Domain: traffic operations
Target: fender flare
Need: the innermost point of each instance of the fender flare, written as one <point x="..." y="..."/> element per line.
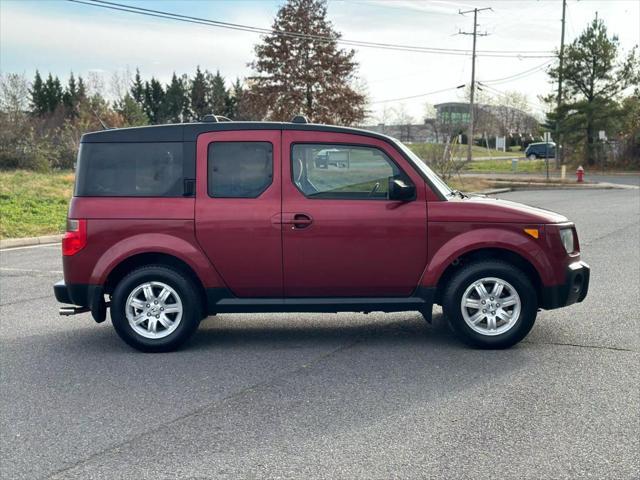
<point x="488" y="238"/>
<point x="187" y="251"/>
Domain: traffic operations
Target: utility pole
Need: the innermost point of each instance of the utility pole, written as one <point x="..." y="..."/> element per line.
<point x="473" y="73"/>
<point x="558" y="150"/>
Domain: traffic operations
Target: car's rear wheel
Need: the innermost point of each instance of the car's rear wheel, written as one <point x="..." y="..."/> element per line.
<point x="490" y="304"/>
<point x="532" y="156"/>
<point x="155" y="309"/>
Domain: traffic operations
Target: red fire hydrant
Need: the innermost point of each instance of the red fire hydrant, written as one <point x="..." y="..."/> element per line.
<point x="580" y="174"/>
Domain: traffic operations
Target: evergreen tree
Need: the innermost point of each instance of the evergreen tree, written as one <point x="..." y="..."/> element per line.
<point x="186" y="105"/>
<point x="594" y="78"/>
<point x="137" y="89"/>
<point x="70" y="97"/>
<point x="38" y="98"/>
<point x="153" y="104"/>
<point x="235" y="107"/>
<point x="175" y="100"/>
<point x="218" y="95"/>
<point x="82" y="90"/>
<point x="304" y="74"/>
<point x="52" y="93"/>
<point x="131" y="111"/>
<point x="198" y="96"/>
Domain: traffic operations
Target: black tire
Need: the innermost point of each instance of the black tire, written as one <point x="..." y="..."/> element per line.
<point x="465" y="278"/>
<point x="532" y="156"/>
<point x="184" y="288"/>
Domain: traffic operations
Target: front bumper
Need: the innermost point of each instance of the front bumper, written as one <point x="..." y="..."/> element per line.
<point x="90" y="296"/>
<point x="573" y="290"/>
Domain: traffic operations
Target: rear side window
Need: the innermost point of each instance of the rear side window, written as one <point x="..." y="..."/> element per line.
<point x="130" y="170"/>
<point x="239" y="169"/>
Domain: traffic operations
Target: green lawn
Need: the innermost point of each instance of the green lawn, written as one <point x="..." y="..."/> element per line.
<point x="504" y="166"/>
<point x="426" y="150"/>
<point x="33" y="204"/>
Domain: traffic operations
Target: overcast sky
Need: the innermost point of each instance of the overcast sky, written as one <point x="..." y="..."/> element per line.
<point x="58" y="36"/>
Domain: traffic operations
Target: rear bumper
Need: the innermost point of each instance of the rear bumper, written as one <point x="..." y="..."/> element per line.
<point x="573" y="290"/>
<point x="74" y="294"/>
<point x="61" y="292"/>
<point x="83" y="295"/>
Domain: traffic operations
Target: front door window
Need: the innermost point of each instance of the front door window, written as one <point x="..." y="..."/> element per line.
<point x="346" y="172"/>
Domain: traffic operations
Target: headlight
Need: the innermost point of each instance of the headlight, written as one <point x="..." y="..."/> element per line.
<point x="566" y="235"/>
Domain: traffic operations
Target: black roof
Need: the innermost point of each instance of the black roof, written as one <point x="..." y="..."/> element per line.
<point x="188" y="132"/>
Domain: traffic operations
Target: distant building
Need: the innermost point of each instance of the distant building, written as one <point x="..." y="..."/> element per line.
<point x="453" y="113"/>
<point x="453" y="118"/>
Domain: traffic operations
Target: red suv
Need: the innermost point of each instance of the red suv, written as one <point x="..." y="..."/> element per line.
<point x="169" y="224"/>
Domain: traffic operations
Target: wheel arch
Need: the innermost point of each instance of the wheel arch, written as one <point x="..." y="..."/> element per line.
<point x="503" y="254"/>
<point x="127" y="265"/>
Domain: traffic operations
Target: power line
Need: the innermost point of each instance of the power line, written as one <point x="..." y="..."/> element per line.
<point x="416" y="96"/>
<point x="517" y="76"/>
<point x="495" y="91"/>
<point x="266" y="31"/>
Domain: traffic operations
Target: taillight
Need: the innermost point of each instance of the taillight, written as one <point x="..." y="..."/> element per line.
<point x="76" y="237"/>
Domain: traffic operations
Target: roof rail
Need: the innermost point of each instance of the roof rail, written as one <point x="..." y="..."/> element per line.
<point x="299" y="119"/>
<point x="211" y="118"/>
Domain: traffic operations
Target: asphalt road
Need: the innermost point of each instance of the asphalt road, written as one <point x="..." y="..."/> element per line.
<point x="331" y="396"/>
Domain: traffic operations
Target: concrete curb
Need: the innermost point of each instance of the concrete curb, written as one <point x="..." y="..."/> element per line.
<point x="515" y="185"/>
<point x="29" y="241"/>
<point x="492" y="191"/>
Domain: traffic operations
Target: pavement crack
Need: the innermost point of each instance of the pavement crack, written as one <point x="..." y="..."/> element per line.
<point x="579" y="345"/>
<point x="613" y="232"/>
<point x="195" y="413"/>
<point x="25" y="300"/>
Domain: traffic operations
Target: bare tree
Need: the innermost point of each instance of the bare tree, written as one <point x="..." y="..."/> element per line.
<point x="120" y="84"/>
<point x="403" y="120"/>
<point x="14" y="95"/>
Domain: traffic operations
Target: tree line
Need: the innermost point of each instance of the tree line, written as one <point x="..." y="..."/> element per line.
<point x="41" y="121"/>
<point x="183" y="99"/>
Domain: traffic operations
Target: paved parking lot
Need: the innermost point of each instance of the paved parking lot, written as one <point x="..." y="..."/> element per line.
<point x="331" y="396"/>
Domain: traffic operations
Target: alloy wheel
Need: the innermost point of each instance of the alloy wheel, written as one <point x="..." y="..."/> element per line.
<point x="491" y="306"/>
<point x="154" y="310"/>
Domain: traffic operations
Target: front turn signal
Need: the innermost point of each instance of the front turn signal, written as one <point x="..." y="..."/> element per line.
<point x="533" y="232"/>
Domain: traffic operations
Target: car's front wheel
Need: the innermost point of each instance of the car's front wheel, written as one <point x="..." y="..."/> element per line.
<point x="155" y="309"/>
<point x="490" y="304"/>
<point x="532" y="156"/>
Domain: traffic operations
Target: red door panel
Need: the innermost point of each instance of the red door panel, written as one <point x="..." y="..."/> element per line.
<point x="345" y="247"/>
<point x="242" y="237"/>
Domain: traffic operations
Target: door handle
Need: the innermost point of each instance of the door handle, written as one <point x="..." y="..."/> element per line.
<point x="298" y="221"/>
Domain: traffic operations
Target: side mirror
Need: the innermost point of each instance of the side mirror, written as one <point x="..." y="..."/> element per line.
<point x="401" y="190"/>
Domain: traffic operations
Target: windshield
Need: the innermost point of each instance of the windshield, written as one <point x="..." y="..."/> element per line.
<point x="436" y="181"/>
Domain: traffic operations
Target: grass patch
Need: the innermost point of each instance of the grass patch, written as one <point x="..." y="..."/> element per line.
<point x="504" y="166"/>
<point x="33" y="204"/>
<point x="426" y="151"/>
